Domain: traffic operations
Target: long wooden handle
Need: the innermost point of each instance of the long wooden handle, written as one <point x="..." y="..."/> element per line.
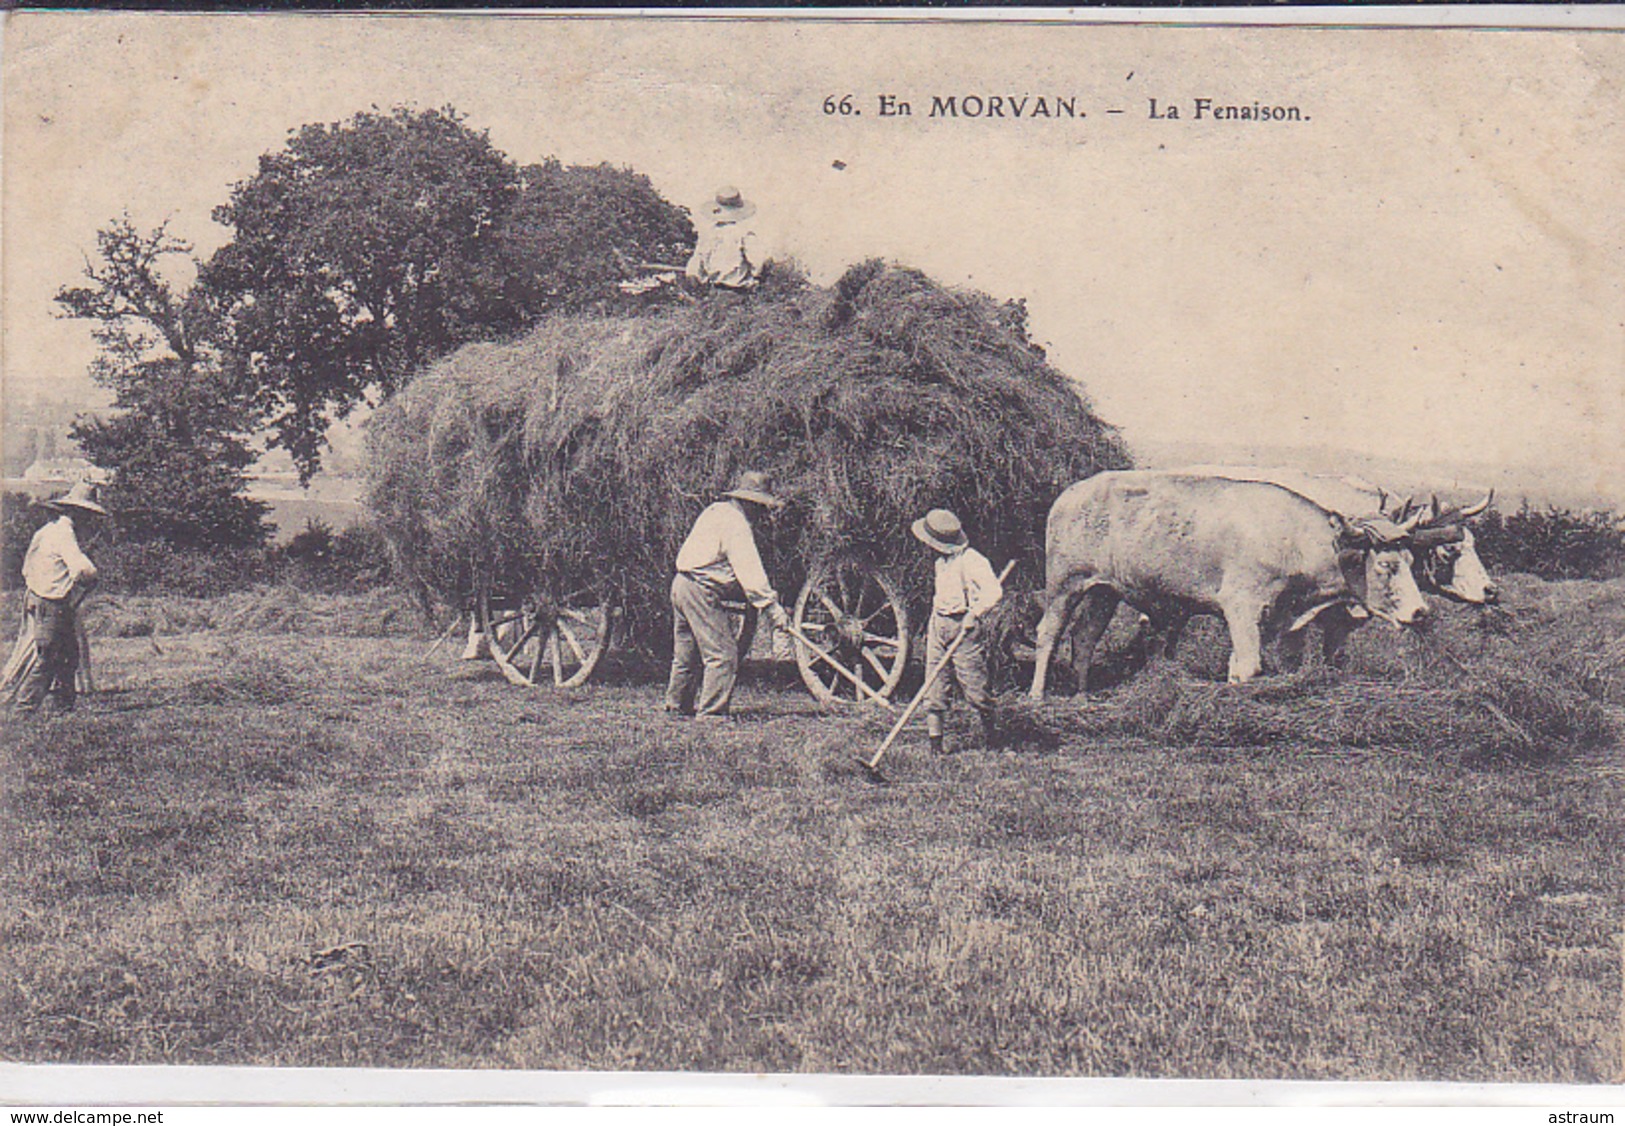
<point x="840" y="668"/>
<point x="930" y="679"/>
<point x="84" y="675"/>
<point x="914" y="704"/>
<point x="444" y="637"/>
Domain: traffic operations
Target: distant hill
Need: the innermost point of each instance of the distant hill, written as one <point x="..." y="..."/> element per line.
<point x="34" y="423"/>
<point x="1419" y="477"/>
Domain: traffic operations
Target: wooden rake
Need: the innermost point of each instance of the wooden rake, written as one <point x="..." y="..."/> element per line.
<point x="825" y="656"/>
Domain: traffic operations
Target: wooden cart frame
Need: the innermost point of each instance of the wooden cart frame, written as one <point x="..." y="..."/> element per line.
<point x="852" y="609"/>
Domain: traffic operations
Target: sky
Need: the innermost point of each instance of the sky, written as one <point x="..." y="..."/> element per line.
<point x="1429" y="262"/>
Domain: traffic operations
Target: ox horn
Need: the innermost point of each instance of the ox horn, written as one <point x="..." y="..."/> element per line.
<point x="1403" y="511"/>
<point x="1474" y="509"/>
<point x="1433" y="508"/>
<point x="1406" y="527"/>
<point x="1382" y="501"/>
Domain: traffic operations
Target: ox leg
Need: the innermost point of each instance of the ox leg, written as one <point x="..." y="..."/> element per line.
<point x="1099" y="605"/>
<point x="1050" y="628"/>
<point x="1060" y="602"/>
<point x="1336" y="625"/>
<point x="1291" y="649"/>
<point x="1145" y="631"/>
<point x="1279" y="649"/>
<point x="1246" y="640"/>
<point x="1175" y="631"/>
<point x="1147" y="642"/>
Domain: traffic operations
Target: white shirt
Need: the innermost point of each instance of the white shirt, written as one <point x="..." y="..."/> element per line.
<point x="54" y="564"/>
<point x="725" y="255"/>
<point x="722" y="552"/>
<point x="965" y="581"/>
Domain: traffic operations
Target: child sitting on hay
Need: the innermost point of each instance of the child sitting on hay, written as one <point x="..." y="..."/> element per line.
<point x="726" y="254"/>
<point x="966" y="589"/>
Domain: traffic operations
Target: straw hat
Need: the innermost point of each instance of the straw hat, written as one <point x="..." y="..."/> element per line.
<point x="730" y="207"/>
<point x="755" y="487"/>
<point x="82" y="497"/>
<point x="942" y="530"/>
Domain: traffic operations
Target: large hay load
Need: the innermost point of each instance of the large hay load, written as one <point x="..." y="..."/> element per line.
<point x="575" y="459"/>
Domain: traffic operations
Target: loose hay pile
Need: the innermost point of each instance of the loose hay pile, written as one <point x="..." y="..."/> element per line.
<point x="1532" y="680"/>
<point x="581" y="453"/>
<point x="260" y="610"/>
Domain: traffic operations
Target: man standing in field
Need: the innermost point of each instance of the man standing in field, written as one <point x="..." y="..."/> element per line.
<point x="718" y="560"/>
<point x="726" y="254"/>
<point x="966" y="589"/>
<point x="58" y="576"/>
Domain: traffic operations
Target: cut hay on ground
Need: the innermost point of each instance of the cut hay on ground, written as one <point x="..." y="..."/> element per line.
<point x="1535" y="679"/>
<point x="262" y="610"/>
<point x="582" y="452"/>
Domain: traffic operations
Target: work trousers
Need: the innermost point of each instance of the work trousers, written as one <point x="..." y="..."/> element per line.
<point x="968" y="668"/>
<point x="702" y="637"/>
<point x="53" y="623"/>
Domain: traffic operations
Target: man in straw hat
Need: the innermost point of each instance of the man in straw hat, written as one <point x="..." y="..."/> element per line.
<point x="58" y="576"/>
<point x="718" y="560"/>
<point x="966" y="589"/>
<point x="726" y="254"/>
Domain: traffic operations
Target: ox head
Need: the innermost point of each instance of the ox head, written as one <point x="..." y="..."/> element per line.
<point x="1375" y="556"/>
<point x="1447" y="559"/>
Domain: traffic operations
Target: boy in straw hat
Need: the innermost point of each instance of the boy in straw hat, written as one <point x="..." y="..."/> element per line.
<point x="718" y="560"/>
<point x="58" y="576"/>
<point x="726" y="253"/>
<point x="966" y="589"/>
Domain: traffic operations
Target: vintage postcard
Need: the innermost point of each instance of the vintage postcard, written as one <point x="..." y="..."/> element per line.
<point x="568" y="549"/>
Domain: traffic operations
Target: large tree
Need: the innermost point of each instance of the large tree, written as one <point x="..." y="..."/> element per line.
<point x="576" y="231"/>
<point x="364" y="249"/>
<point x="177" y="448"/>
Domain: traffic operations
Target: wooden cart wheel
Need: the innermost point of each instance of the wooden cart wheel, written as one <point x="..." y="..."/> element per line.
<point x="501" y="625"/>
<point x="562" y="642"/>
<point x="854" y="613"/>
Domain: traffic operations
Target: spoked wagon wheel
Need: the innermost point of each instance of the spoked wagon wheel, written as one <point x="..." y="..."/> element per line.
<point x="562" y="641"/>
<point x="855" y="614"/>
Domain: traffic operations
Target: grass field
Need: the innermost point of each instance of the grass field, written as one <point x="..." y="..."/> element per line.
<point x="273" y="840"/>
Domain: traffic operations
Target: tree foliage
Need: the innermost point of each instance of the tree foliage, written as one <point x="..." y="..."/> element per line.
<point x="178" y="448"/>
<point x="366" y="248"/>
<point x="1553" y="543"/>
<point x="575" y="232"/>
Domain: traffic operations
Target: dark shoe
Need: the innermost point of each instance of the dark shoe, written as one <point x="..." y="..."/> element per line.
<point x="938" y="747"/>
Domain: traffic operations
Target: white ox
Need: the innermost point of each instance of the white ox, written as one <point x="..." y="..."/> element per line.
<point x="1172" y="545"/>
<point x="1446" y="554"/>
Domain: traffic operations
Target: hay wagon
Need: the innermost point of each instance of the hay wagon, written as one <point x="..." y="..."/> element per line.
<point x="549" y="481"/>
<point x="852" y="609"/>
